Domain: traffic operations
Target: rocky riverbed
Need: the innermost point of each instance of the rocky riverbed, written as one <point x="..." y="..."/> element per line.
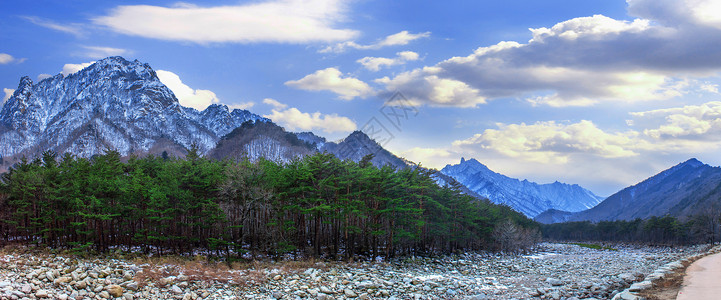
<point x="554" y="271"/>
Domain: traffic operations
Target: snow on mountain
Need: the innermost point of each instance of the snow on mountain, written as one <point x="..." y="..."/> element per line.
<point x="690" y="188"/>
<point x="112" y="104"/>
<point x="527" y="197"/>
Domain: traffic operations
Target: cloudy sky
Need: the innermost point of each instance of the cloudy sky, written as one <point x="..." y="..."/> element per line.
<point x="603" y="93"/>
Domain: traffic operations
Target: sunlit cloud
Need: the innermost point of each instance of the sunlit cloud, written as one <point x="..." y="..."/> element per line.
<point x="582" y="61"/>
<point x="398" y="39"/>
<point x="294" y="120"/>
<point x="187" y="96"/>
<point x="331" y="79"/>
<point x="74" y="68"/>
<point x="280" y="21"/>
<point x="376" y="63"/>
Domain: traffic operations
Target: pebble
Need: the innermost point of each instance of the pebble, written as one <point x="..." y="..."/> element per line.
<point x="555" y="271"/>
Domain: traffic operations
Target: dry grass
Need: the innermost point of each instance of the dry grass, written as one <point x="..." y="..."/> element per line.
<point x="200" y="269"/>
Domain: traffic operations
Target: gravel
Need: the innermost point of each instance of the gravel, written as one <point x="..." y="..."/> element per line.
<point x="553" y="271"/>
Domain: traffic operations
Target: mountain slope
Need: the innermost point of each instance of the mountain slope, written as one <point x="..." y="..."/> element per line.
<point x="687" y="189"/>
<point x="261" y="139"/>
<point x="524" y="196"/>
<point x="357" y="145"/>
<point x="112" y="104"/>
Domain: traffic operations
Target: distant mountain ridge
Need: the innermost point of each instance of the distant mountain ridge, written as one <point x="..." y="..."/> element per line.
<point x="527" y="197"/>
<point x="687" y="189"/>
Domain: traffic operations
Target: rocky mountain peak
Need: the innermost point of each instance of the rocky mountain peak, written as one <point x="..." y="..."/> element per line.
<point x="524" y="196"/>
<point x="112" y="104"/>
<point x="693" y="163"/>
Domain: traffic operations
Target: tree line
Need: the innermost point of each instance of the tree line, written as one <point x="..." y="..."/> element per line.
<point x="315" y="206"/>
<point x="665" y="230"/>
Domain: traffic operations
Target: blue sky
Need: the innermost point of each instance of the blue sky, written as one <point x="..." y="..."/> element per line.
<point x="603" y="93"/>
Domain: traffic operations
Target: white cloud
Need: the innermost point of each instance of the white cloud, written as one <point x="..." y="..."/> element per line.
<point x="7" y="58"/>
<point x="187" y="96"/>
<point x="279" y="21"/>
<point x="709" y="87"/>
<point x="74" y="29"/>
<point x="681" y="125"/>
<point x="376" y="63"/>
<point x="96" y="52"/>
<point x="275" y="103"/>
<point x="398" y="39"/>
<point x="551" y="142"/>
<point x="43" y="76"/>
<point x="422" y="86"/>
<point x="243" y="106"/>
<point x="74" y="68"/>
<point x="8" y="94"/>
<point x="695" y="13"/>
<point x="583" y="61"/>
<point x="430" y="157"/>
<point x="295" y="120"/>
<point x="331" y="79"/>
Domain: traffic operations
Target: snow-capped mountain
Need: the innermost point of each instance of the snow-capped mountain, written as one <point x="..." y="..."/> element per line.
<point x="357" y="145"/>
<point x="254" y="140"/>
<point x="688" y="189"/>
<point x="112" y="104"/>
<point x="527" y="197"/>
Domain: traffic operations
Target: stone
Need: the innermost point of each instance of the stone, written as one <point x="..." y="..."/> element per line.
<point x="63" y="280"/>
<point x="115" y="290"/>
<point x="627" y="277"/>
<point x="26" y="289"/>
<point x="133" y="286"/>
<point x="349" y="293"/>
<point x="554" y="281"/>
<point x="322" y="296"/>
<point x="626" y="295"/>
<point x="167" y="280"/>
<point x="81" y="285"/>
<point x="104" y="295"/>
<point x="638" y="286"/>
<point x="42" y="294"/>
<point x="555" y="295"/>
<point x="176" y="290"/>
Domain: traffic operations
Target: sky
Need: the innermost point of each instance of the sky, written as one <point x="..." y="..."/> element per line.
<point x="601" y="93"/>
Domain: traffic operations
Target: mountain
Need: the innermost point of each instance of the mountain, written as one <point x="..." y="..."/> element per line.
<point x="266" y="139"/>
<point x="261" y="139"/>
<point x="527" y="197"/>
<point x="357" y="145"/>
<point x="687" y="189"/>
<point x="122" y="105"/>
<point x="112" y="104"/>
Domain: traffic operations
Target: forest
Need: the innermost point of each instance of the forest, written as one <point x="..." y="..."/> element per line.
<point x="315" y="206"/>
<point x="664" y="230"/>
